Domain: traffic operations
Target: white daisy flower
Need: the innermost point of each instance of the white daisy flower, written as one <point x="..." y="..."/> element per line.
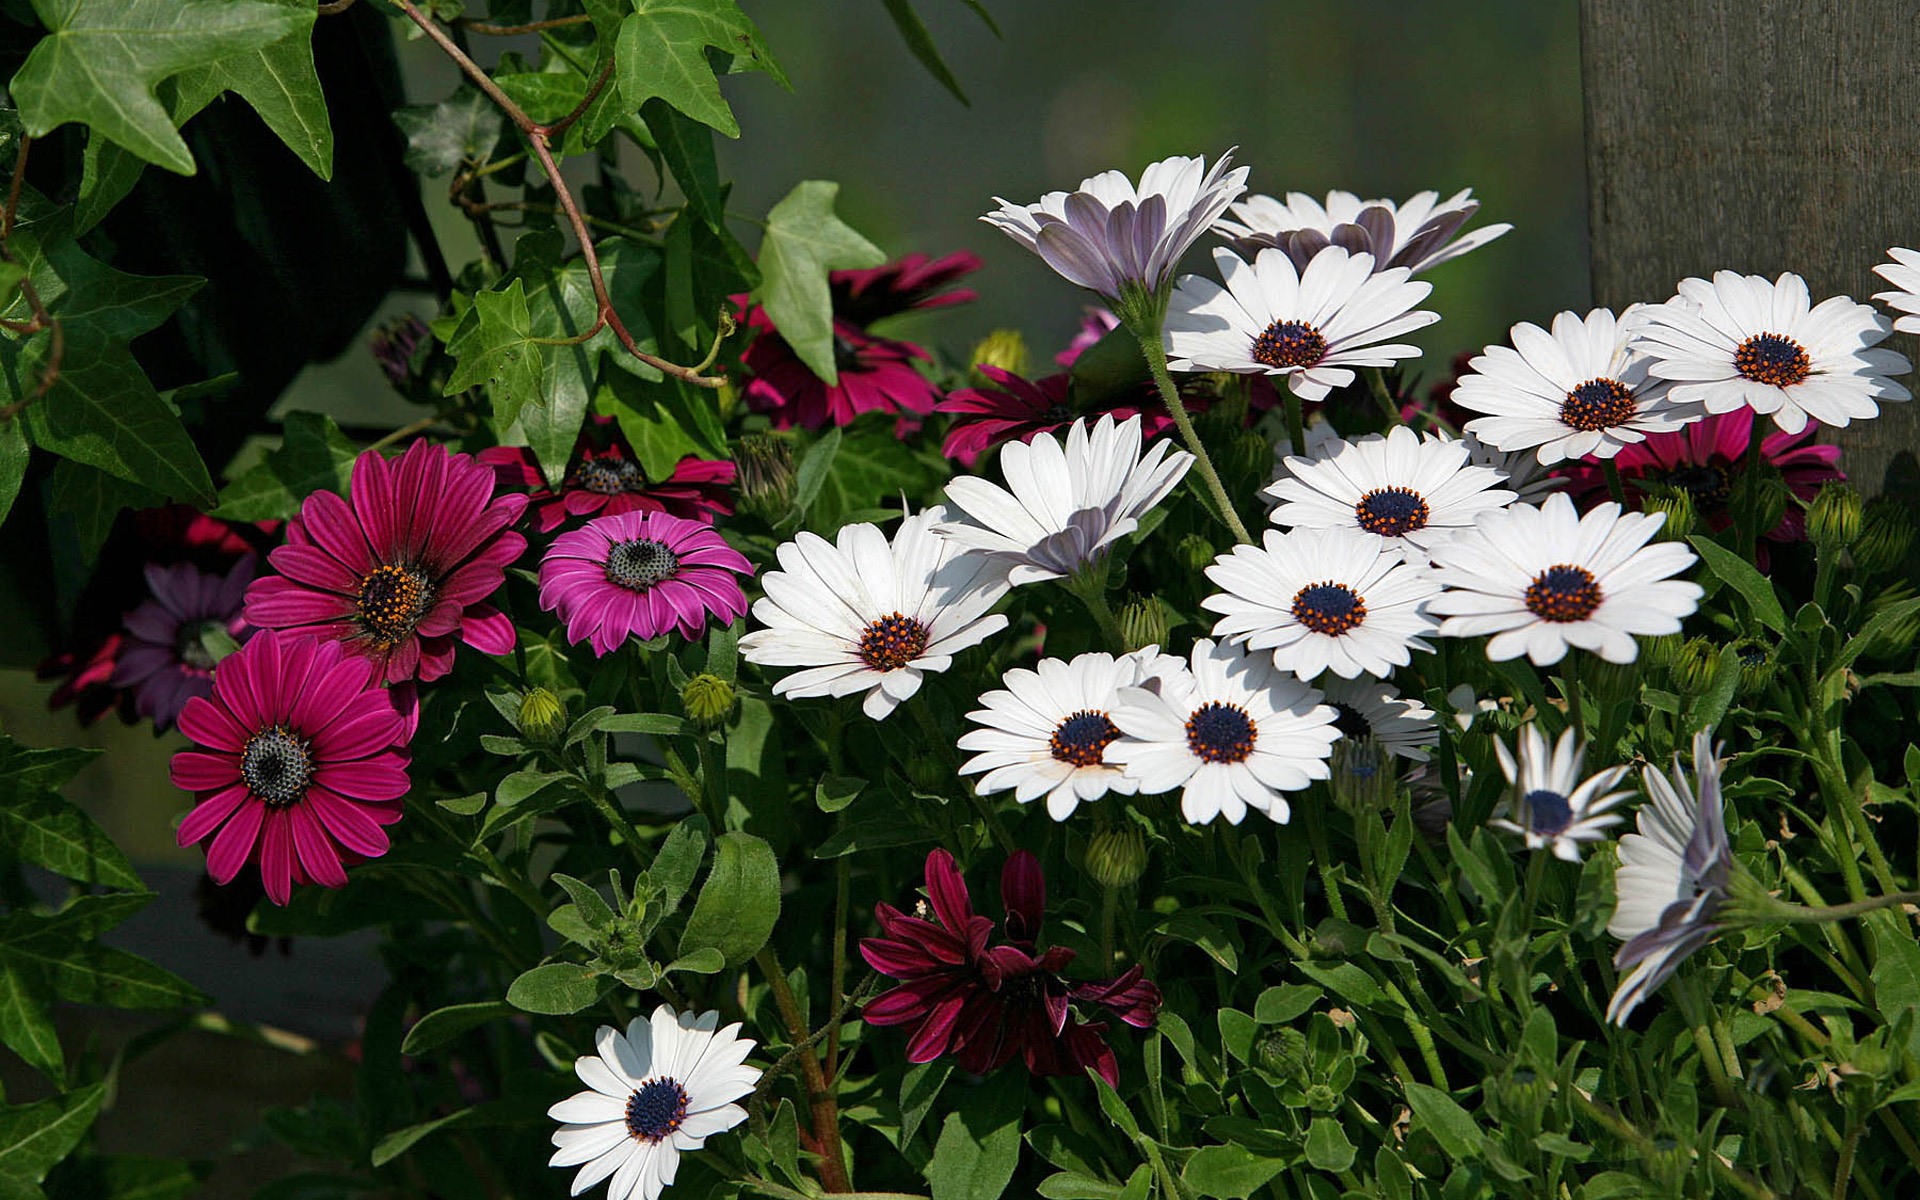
<point x="1416" y="235"/>
<point x="1543" y="579"/>
<point x="1063" y="508"/>
<point x="1372" y="708"/>
<point x="1232" y="733"/>
<point x="1744" y="342"/>
<point x="863" y="614"/>
<point x="1400" y="487"/>
<point x="1673" y="879"/>
<point x="1551" y="807"/>
<point x="1312" y="325"/>
<point x="1526" y="478"/>
<point x="1575" y="392"/>
<point x="1904" y="274"/>
<point x="1111" y="233"/>
<point x="658" y="1091"/>
<point x="1467" y="706"/>
<point x="1048" y="732"/>
<point x="1323" y="600"/>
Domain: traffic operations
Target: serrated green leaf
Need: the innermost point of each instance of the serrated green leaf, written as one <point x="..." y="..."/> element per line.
<point x="739" y="902"/>
<point x="86" y="501"/>
<point x="312" y="456"/>
<point x="465" y="127"/>
<point x="102" y="60"/>
<point x="496" y="348"/>
<point x="804" y="242"/>
<point x="662" y="51"/>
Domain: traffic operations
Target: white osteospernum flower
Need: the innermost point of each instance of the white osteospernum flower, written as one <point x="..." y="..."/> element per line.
<point x="1417" y="234"/>
<point x="863" y="614"/>
<point x="1542" y="579"/>
<point x="1063" y="508"/>
<point x="659" y="1090"/>
<point x="1529" y="482"/>
<point x="1313" y="326"/>
<point x="1551" y="807"/>
<point x="1575" y="392"/>
<point x="1323" y="600"/>
<point x="1111" y="234"/>
<point x="1371" y="708"/>
<point x="1745" y="342"/>
<point x="1232" y="733"/>
<point x="1047" y="733"/>
<point x="1673" y="879"/>
<point x="1904" y="274"/>
<point x="1400" y="488"/>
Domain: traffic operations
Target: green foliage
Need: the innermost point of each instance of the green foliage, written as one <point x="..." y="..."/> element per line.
<point x="805" y="241"/>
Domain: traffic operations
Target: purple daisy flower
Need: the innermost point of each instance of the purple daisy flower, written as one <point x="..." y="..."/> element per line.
<point x="166" y="661"/>
<point x="641" y="573"/>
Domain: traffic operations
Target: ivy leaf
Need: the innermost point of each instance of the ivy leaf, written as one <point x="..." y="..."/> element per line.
<point x="805" y="241"/>
<point x="14" y="453"/>
<point x="465" y="127"/>
<point x="102" y="60"/>
<point x="496" y="348"/>
<point x="33" y="1137"/>
<point x="102" y="411"/>
<point x="662" y="51"/>
<point x="279" y="81"/>
<point x="83" y="501"/>
<point x="313" y="456"/>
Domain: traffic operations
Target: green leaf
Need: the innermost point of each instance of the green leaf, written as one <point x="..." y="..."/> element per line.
<point x="687" y="148"/>
<point x="14" y="453"/>
<point x="312" y="456"/>
<point x="1740" y="574"/>
<point x="103" y="411"/>
<point x="662" y="51"/>
<point x="811" y="474"/>
<point x="48" y="830"/>
<point x="89" y="973"/>
<point x="739" y="902"/>
<point x="1327" y="1146"/>
<point x="545" y="96"/>
<point x="24" y="1024"/>
<point x="557" y="989"/>
<point x="1279" y="1005"/>
<point x="979" y="1144"/>
<point x="131" y="1177"/>
<point x="1889" y="617"/>
<point x="84" y="502"/>
<point x="1452" y="1126"/>
<point x="705" y="961"/>
<point x="442" y="1025"/>
<point x="804" y="242"/>
<point x="1229" y="1172"/>
<point x="920" y="1084"/>
<point x="496" y="348"/>
<point x="103" y="59"/>
<point x="920" y="43"/>
<point x="678" y="861"/>
<point x="280" y="82"/>
<point x="465" y="127"/>
<point x="33" y="1137"/>
<point x="1896" y="971"/>
<point x="835" y="792"/>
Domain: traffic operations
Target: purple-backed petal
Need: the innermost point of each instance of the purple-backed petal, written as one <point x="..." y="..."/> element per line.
<point x="930" y="1040"/>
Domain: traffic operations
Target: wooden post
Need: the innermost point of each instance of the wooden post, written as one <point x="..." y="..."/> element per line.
<point x="1759" y="136"/>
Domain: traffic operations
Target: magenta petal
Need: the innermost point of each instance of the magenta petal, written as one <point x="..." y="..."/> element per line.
<point x="207" y="815"/>
<point x="333" y="527"/>
<point x="276" y="856"/>
<point x="194" y="771"/>
<point x="233" y="845"/>
<point x="948" y="891"/>
<point x="366" y="779"/>
<point x="318" y="859"/>
<point x="316" y="568"/>
<point x="348" y="823"/>
<point x="1023" y="888"/>
<point x="211" y="725"/>
<point x="931" y="1039"/>
<point x="488" y="630"/>
<point x="371" y="727"/>
<point x="276" y="603"/>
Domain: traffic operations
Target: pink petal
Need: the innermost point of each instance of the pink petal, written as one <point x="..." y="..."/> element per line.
<point x="318" y="858"/>
<point x="488" y="630"/>
<point x="366" y="779"/>
<point x="207" y="723"/>
<point x="349" y="823"/>
<point x="233" y="845"/>
<point x="194" y="771"/>
<point x="207" y="815"/>
<point x="276" y="856"/>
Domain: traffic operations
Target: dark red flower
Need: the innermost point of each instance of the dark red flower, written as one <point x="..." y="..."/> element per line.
<point x="915" y="281"/>
<point x="607" y="480"/>
<point x="986" y="1003"/>
<point x="1020" y="408"/>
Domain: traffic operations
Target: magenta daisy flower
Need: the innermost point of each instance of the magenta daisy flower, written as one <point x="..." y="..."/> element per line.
<point x="876" y="374"/>
<point x="641" y="574"/>
<point x="166" y="661"/>
<point x="300" y="761"/>
<point x="1706" y="460"/>
<point x="1020" y="408"/>
<point x="915" y="281"/>
<point x="400" y="573"/>
<point x="608" y="481"/>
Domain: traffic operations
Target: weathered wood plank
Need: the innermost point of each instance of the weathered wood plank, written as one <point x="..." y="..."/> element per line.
<point x="1760" y="136"/>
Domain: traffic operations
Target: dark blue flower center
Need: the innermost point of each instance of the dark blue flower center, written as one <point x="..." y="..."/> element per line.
<point x="1221" y="733"/>
<point x="1597" y="404"/>
<point x="1392" y="511"/>
<point x="656" y="1109"/>
<point x="1548" y="813"/>
<point x="609" y="476"/>
<point x="1772" y="359"/>
<point x="892" y="642"/>
<point x="1329" y="608"/>
<point x="639" y="564"/>
<point x="1708" y="485"/>
<point x="1289" y="344"/>
<point x="1563" y="594"/>
<point x="1082" y="738"/>
<point x="276" y="766"/>
<point x="1350" y="722"/>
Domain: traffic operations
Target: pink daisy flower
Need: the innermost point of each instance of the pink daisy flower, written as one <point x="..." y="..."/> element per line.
<point x="915" y="281"/>
<point x="399" y="573"/>
<point x="641" y="574"/>
<point x="1020" y="408"/>
<point x="609" y="481"/>
<point x="165" y="661"/>
<point x="300" y="760"/>
<point x="1706" y="459"/>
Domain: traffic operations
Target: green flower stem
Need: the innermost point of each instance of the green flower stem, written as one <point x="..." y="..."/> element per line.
<point x="1626" y="1131"/>
<point x="1109" y="898"/>
<point x="1422" y="1036"/>
<point x="1570" y="688"/>
<point x="1296" y="423"/>
<point x="942" y="743"/>
<point x="1693" y="1008"/>
<point x="1089" y="584"/>
<point x="1746" y="528"/>
<point x="713" y="777"/>
<point x="1156" y="355"/>
<point x="1323" y="861"/>
<point x="831" y="1160"/>
<point x="511" y="880"/>
<point x="602" y="800"/>
<point x="842" y="882"/>
<point x="1377" y="386"/>
<point x="1616" y="490"/>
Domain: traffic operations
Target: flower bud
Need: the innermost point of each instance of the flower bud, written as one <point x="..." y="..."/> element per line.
<point x="1282" y="1052"/>
<point x="1695" y="667"/>
<point x="542" y="717"/>
<point x="1886" y="536"/>
<point x="1899" y="636"/>
<point x="1227" y="415"/>
<point x="1143" y="623"/>
<point x="394" y="344"/>
<point x="1194" y="553"/>
<point x="766" y="476"/>
<point x="1756" y="665"/>
<point x="1363" y="774"/>
<point x="1771" y="505"/>
<point x="1833" y="519"/>
<point x="1117" y="856"/>
<point x="708" y="699"/>
<point x="1003" y="348"/>
<point x="1248" y="458"/>
<point x="1677" y="507"/>
<point x="1660" y="651"/>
